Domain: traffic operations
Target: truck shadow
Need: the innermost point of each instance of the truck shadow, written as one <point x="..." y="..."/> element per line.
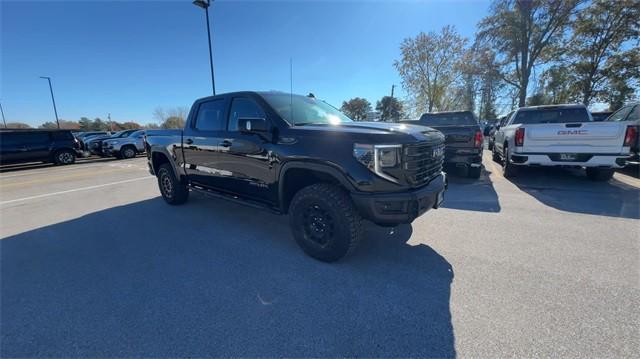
<point x="570" y="190"/>
<point x="471" y="194"/>
<point x="212" y="278"/>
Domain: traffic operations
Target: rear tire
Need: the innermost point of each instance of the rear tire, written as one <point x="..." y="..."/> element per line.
<point x="173" y="191"/>
<point x="128" y="152"/>
<point x="325" y="222"/>
<point x="64" y="157"/>
<point x="599" y="174"/>
<point x="508" y="168"/>
<point x="474" y="172"/>
<point x="495" y="156"/>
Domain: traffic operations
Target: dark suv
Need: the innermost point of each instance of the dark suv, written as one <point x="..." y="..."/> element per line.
<point x="21" y="146"/>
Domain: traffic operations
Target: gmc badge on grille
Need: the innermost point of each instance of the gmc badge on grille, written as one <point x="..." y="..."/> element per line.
<point x="438" y="151"/>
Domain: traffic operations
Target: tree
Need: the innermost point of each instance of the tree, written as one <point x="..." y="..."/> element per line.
<point x="173" y="122"/>
<point x="85" y="124"/>
<point x="390" y="108"/>
<point x="429" y="65"/>
<point x="99" y="125"/>
<point x="623" y="77"/>
<point x="17" y="125"/>
<point x="356" y="108"/>
<point x="599" y="32"/>
<point x="525" y="34"/>
<point x="152" y="126"/>
<point x="130" y="125"/>
<point x="557" y="82"/>
<point x="538" y="99"/>
<point x="64" y="124"/>
<point x="161" y="114"/>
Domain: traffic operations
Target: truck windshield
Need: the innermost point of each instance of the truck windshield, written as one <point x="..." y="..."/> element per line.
<point x="302" y="110"/>
<point x="448" y="119"/>
<point x="555" y="115"/>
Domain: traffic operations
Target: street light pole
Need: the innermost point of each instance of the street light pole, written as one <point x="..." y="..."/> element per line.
<point x="205" y="5"/>
<point x="55" y="110"/>
<point x="3" y="120"/>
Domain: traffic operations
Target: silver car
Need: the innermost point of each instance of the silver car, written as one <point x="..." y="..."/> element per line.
<point x="125" y="147"/>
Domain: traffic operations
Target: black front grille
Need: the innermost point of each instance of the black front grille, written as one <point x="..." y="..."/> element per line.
<point x="422" y="162"/>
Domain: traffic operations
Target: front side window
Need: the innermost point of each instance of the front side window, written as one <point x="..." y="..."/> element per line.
<point x="243" y="108"/>
<point x="303" y="110"/>
<point x="210" y="116"/>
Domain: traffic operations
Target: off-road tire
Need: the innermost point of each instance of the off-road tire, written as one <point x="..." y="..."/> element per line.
<point x="173" y="191"/>
<point x="599" y="174"/>
<point x="64" y="157"/>
<point x="343" y="222"/>
<point x="128" y="152"/>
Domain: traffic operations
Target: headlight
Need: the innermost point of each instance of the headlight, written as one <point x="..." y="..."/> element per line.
<point x="378" y="157"/>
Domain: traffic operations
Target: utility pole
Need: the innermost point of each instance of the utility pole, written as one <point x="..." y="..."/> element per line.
<point x="3" y="120"/>
<point x="392" y="88"/>
<point x="52" y="99"/>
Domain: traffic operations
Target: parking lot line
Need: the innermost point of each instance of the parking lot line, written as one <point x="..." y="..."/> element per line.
<point x="75" y="190"/>
<point x="63" y="177"/>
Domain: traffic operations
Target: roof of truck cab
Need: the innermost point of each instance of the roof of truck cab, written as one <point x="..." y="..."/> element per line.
<point x="445" y="112"/>
<point x="244" y="93"/>
<point x="552" y="107"/>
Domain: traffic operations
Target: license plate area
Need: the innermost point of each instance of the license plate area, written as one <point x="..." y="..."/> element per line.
<point x="568" y="156"/>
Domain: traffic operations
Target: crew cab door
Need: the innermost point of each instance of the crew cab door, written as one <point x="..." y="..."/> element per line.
<point x="201" y="140"/>
<point x="246" y="157"/>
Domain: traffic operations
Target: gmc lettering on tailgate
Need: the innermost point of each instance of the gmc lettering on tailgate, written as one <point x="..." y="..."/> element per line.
<point x="573" y="132"/>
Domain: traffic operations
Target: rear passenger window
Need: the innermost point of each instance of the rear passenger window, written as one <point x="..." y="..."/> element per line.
<point x="243" y="108"/>
<point x="210" y="116"/>
<point x="35" y="137"/>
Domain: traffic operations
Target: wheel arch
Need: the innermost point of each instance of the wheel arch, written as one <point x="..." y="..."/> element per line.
<point x="299" y="174"/>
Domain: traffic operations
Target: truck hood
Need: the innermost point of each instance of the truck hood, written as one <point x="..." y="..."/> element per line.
<point x="420" y="133"/>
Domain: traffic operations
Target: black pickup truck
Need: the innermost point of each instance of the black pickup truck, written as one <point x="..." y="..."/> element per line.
<point x="300" y="156"/>
<point x="463" y="138"/>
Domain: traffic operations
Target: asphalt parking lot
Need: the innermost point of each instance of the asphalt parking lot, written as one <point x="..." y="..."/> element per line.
<point x="94" y="263"/>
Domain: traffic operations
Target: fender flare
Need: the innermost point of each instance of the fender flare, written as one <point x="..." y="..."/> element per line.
<point x="162" y="150"/>
<point x="312" y="166"/>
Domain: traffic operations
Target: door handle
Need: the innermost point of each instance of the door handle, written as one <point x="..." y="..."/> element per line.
<point x="188" y="141"/>
<point x="226" y="143"/>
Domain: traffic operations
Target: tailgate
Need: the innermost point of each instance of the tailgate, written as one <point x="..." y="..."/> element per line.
<point x="458" y="136"/>
<point x="586" y="137"/>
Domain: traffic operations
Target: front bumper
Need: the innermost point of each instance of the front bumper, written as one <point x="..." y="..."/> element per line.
<point x="389" y="209"/>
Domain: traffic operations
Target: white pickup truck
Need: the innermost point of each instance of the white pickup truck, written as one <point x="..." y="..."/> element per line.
<point x="562" y="135"/>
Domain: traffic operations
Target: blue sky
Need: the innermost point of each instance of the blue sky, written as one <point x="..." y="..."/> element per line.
<point x="127" y="58"/>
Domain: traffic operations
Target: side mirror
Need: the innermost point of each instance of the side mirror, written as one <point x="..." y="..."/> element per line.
<point x="253" y="125"/>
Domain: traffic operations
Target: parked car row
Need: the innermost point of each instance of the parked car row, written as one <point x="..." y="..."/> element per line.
<point x="63" y="146"/>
